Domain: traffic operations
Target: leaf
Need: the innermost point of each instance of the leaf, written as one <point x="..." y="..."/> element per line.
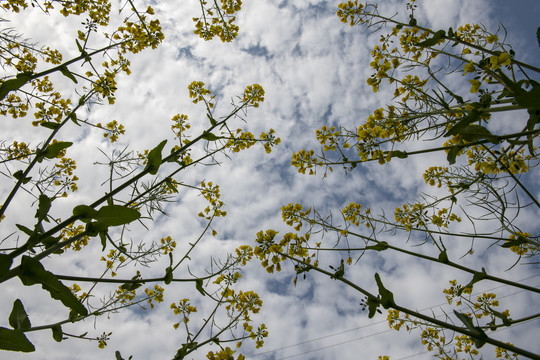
<point x="212" y="120"/>
<point x="340" y="271"/>
<point x="84" y="212"/>
<point x="57" y="333"/>
<point x="115" y="215"/>
<point x="44" y="205"/>
<point x="154" y="158"/>
<point x="463" y="123"/>
<point x="103" y="238"/>
<point x="15" y="340"/>
<point x="387" y="298"/>
<point x="14" y="84"/>
<point x="443" y="257"/>
<point x="18" y="319"/>
<point x="530" y="99"/>
<point x="132" y="285"/>
<point x="372" y="303"/>
<point x="169" y="276"/>
<point x="199" y="286"/>
<point x="434" y="40"/>
<point x="452" y="154"/>
<point x="479" y="335"/>
<point x="34" y="273"/>
<point x="5" y="264"/>
<point x="478" y="276"/>
<point x="515" y="242"/>
<point x="399" y="154"/>
<point x="170" y="185"/>
<point x="73" y="118"/>
<point x="64" y="70"/>
<point x="118" y="355"/>
<point x="50" y="125"/>
<point x="24" y="229"/>
<point x="476" y="133"/>
<point x="19" y="176"/>
<point x="53" y="150"/>
<point x="381" y="246"/>
<point x="209" y="136"/>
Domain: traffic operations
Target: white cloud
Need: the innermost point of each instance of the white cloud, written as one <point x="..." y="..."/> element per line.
<point x="313" y="69"/>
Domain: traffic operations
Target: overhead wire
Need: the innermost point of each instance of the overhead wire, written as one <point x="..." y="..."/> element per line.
<point x="381" y="332"/>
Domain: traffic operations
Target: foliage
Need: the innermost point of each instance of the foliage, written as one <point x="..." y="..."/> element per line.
<point x="139" y="185"/>
<point x="485" y="181"/>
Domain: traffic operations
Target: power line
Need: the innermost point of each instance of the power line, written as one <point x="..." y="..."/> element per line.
<point x="382" y="332"/>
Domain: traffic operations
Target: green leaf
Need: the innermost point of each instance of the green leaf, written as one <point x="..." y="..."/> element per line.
<point x="64" y="70"/>
<point x="73" y="118"/>
<point x="57" y="333"/>
<point x="387" y="298"/>
<point x="478" y="276"/>
<point x="132" y="285"/>
<point x="154" y="158"/>
<point x="44" y="205"/>
<point x="434" y="40"/>
<point x="24" y="229"/>
<point x="169" y="276"/>
<point x="463" y="123"/>
<point x="530" y="99"/>
<point x="479" y="335"/>
<point x="14" y="84"/>
<point x="34" y="273"/>
<point x="18" y="319"/>
<point x="212" y="120"/>
<point x="50" y="125"/>
<point x="515" y="242"/>
<point x="85" y="213"/>
<point x="209" y="136"/>
<point x="5" y="264"/>
<point x="15" y="340"/>
<point x="340" y="271"/>
<point x="443" y="257"/>
<point x="103" y="238"/>
<point x="381" y="246"/>
<point x="53" y="150"/>
<point x="452" y="154"/>
<point x="170" y="185"/>
<point x="372" y="303"/>
<point x="476" y="133"/>
<point x="199" y="286"/>
<point x="19" y="176"/>
<point x="399" y="154"/>
<point x="115" y="215"/>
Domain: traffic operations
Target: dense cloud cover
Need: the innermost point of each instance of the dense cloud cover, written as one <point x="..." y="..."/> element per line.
<point x="313" y="69"/>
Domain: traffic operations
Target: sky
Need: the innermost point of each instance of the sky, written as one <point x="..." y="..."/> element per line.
<point x="313" y="69"/>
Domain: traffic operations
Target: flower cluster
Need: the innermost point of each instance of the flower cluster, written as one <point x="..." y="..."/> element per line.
<point x="154" y="295"/>
<point x="224" y="354"/>
<point x="218" y="21"/>
<point x="253" y="95"/>
<point x="70" y="231"/>
<point x="212" y="194"/>
<point x="184" y="309"/>
<point x="64" y="177"/>
<point x="167" y="245"/>
<point x="112" y="130"/>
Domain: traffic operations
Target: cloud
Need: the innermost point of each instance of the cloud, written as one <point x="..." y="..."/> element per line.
<point x="313" y="69"/>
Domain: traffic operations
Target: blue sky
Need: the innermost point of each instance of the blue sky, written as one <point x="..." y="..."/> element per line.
<point x="313" y="69"/>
